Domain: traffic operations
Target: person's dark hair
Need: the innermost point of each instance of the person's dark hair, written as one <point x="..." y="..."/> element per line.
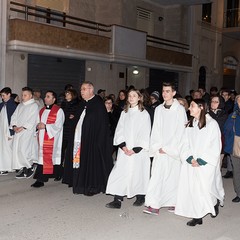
<point x="111" y="95"/>
<point x="68" y="86"/>
<point x="27" y="89"/>
<point x="222" y="90"/>
<point x="118" y="98"/>
<point x="169" y="84"/>
<point x="140" y="102"/>
<point x="6" y="90"/>
<point x="54" y="95"/>
<point x="213" y="89"/>
<point x="146" y="97"/>
<point x="221" y="100"/>
<point x="107" y="98"/>
<point x="202" y="119"/>
<point x="73" y="93"/>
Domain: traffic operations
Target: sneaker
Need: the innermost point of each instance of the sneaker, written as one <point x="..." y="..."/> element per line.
<point x="29" y="172"/>
<point x="139" y="202"/>
<point x="21" y="174"/>
<point x="25" y="173"/>
<point x="171" y="209"/>
<point x="151" y="211"/>
<point x="3" y="173"/>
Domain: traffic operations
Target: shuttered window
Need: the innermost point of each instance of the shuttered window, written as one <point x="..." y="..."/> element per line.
<point x="145" y="21"/>
<point x="54" y="73"/>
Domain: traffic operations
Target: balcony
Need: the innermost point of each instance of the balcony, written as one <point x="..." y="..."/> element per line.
<point x="231" y="26"/>
<point x="43" y="31"/>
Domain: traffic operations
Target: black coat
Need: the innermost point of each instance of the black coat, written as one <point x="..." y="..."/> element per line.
<point x="95" y="158"/>
<point x="69" y="108"/>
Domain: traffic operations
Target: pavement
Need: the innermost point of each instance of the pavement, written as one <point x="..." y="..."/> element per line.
<point x="53" y="212"/>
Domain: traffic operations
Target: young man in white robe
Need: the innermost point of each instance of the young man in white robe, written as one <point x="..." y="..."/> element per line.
<point x="167" y="131"/>
<point x="130" y="175"/>
<point x="23" y="123"/>
<point x="50" y="131"/>
<point x="7" y="108"/>
<point x="200" y="189"/>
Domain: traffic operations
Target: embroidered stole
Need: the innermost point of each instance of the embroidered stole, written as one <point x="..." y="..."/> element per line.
<point x="77" y="141"/>
<point x="47" y="142"/>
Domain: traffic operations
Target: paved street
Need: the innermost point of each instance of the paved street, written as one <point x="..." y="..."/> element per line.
<point x="54" y="213"/>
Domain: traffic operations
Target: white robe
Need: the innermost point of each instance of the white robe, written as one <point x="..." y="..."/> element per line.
<point x="5" y="142"/>
<point x="25" y="115"/>
<point x="54" y="130"/>
<point x="130" y="175"/>
<point x="200" y="187"/>
<point x="167" y="132"/>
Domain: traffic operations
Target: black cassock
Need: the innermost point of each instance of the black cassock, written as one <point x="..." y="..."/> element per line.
<point x="96" y="150"/>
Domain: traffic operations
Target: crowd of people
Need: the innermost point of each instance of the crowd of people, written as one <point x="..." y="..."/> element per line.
<point x="164" y="149"/>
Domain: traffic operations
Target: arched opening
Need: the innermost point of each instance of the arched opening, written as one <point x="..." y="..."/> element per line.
<point x="229" y="72"/>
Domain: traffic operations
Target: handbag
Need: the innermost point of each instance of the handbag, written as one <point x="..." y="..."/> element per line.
<point x="236" y="144"/>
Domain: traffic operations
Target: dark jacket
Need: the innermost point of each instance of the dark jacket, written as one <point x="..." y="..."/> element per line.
<point x="11" y="106"/>
<point x="69" y="108"/>
<point x="232" y="122"/>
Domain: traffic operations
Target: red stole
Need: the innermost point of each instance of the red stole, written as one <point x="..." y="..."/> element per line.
<point x="47" y="142"/>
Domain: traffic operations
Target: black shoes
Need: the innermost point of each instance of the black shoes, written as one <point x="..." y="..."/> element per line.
<point x="236" y="199"/>
<point x="216" y="207"/>
<point x="139" y="202"/>
<point x="114" y="204"/>
<point x="37" y="184"/>
<point x="57" y="179"/>
<point x="229" y="174"/>
<point x="194" y="222"/>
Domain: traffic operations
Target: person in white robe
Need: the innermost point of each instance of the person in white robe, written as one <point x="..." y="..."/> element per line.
<point x="7" y="107"/>
<point x="130" y="175"/>
<point x="200" y="189"/>
<point x="50" y="132"/>
<point x="168" y="127"/>
<point x="38" y="99"/>
<point x="23" y="122"/>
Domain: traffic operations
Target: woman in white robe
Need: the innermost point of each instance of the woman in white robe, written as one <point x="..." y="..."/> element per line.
<point x="200" y="188"/>
<point x="131" y="173"/>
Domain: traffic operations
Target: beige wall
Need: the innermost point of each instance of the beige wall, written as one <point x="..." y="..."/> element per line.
<point x="105" y="76"/>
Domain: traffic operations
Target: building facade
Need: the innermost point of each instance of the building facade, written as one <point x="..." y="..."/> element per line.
<point x="48" y="44"/>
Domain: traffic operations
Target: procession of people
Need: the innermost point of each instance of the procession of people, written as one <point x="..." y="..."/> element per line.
<point x="166" y="152"/>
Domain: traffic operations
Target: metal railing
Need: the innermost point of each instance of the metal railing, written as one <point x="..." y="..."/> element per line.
<point x="169" y="43"/>
<point x="50" y="16"/>
<point x="232" y="18"/>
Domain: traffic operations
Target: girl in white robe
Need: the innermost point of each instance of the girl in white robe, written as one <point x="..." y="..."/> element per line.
<point x="131" y="173"/>
<point x="200" y="187"/>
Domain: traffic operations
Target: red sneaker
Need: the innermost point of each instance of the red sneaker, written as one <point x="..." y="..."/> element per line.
<point x="151" y="211"/>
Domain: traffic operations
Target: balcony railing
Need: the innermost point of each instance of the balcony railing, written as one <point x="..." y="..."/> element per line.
<point x="232" y="18"/>
<point x="52" y="17"/>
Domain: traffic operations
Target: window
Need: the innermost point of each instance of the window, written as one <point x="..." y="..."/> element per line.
<point x="206" y="12"/>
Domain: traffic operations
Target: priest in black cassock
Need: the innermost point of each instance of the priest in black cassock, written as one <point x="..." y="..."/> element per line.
<point x="92" y="159"/>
